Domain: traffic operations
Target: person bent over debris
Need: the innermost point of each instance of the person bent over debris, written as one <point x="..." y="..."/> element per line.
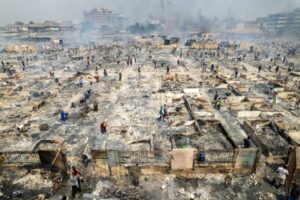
<point x="247" y="142"/>
<point x="87" y="94"/>
<point x="75" y="182"/>
<point x="51" y="74"/>
<point x="279" y="181"/>
<point x="56" y="80"/>
<point x="216" y="96"/>
<point x="289" y="70"/>
<point x="201" y="157"/>
<point x="97" y="78"/>
<point x="218" y="103"/>
<point x="22" y="128"/>
<point x="103" y="127"/>
<point x="228" y="180"/>
<point x="73" y="105"/>
<point x="63" y="116"/>
<point x="86" y="159"/>
<point x="95" y="105"/>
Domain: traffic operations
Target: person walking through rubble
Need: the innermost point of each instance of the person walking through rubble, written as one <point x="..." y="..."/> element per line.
<point x="139" y="72"/>
<point x="23" y="64"/>
<point x="168" y="69"/>
<point x="164" y="112"/>
<point x="277" y="69"/>
<point x="212" y="68"/>
<point x="127" y="62"/>
<point x="154" y="62"/>
<point x="87" y="64"/>
<point x="75" y="182"/>
<point x="120" y="76"/>
<point x="105" y="73"/>
<point x="297" y="103"/>
<point x="259" y="68"/>
<point x="161" y="113"/>
<point x="81" y="82"/>
<point x="285" y="80"/>
<point x="236" y="72"/>
<point x="274" y="99"/>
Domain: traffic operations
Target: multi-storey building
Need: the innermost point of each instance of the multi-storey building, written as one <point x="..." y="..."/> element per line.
<point x="281" y="22"/>
<point x="103" y="17"/>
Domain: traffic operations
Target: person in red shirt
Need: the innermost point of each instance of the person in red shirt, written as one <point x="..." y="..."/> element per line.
<point x="103" y="127"/>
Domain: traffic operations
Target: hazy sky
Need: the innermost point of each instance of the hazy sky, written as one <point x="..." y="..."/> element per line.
<point x="40" y="10"/>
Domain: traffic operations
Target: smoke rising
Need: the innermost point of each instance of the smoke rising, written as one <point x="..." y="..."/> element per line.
<point x="140" y="10"/>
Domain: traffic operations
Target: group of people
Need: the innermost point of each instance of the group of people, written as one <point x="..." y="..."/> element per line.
<point x="76" y="178"/>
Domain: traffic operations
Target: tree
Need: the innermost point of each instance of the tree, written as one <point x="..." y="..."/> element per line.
<point x="19" y="23"/>
<point x="31" y="22"/>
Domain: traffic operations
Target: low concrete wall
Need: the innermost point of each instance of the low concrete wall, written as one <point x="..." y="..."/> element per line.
<point x="247" y="159"/>
<point x="242" y="161"/>
<point x="250" y="131"/>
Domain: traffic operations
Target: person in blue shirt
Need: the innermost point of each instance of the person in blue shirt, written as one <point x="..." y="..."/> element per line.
<point x="201" y="157"/>
<point x="64" y="115"/>
<point x="81" y="82"/>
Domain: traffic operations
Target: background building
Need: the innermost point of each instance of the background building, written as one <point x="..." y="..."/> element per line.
<point x="281" y="23"/>
<point x="104" y="18"/>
